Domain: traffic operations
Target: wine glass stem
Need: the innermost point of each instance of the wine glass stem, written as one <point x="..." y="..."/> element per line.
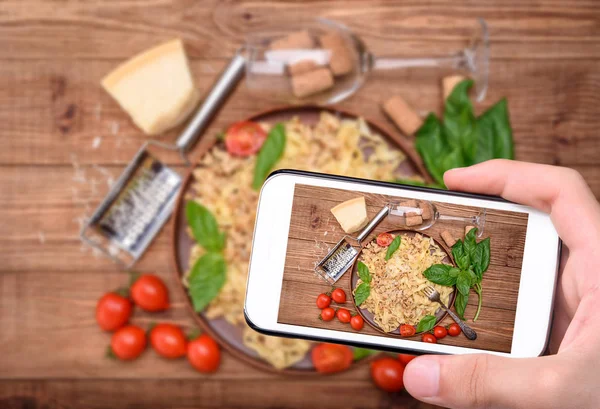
<point x="399" y="63"/>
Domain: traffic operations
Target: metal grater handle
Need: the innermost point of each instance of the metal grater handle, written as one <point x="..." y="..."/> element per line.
<point x="373" y="223"/>
<point x="225" y="84"/>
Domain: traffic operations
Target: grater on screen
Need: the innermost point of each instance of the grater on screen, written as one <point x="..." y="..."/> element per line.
<point x="342" y="256"/>
<point x="143" y="198"/>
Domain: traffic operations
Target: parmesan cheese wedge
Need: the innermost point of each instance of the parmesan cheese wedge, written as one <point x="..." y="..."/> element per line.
<point x="155" y="87"/>
<point x="351" y="214"/>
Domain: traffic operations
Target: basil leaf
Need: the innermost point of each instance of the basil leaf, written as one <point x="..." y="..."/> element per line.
<point x="463" y="282"/>
<point x="440" y="274"/>
<point x="363" y="272"/>
<point x="411" y="182"/>
<point x="495" y="134"/>
<point x="431" y="145"/>
<point x="470" y="243"/>
<point x="460" y="304"/>
<point x="269" y="154"/>
<point x="454" y="272"/>
<point x="204" y="227"/>
<point x="394" y="245"/>
<point x="474" y="277"/>
<point x="362" y="293"/>
<point x="426" y="323"/>
<point x="460" y="125"/>
<point x="481" y="256"/>
<point x="206" y="279"/>
<point x="452" y="160"/>
<point x="360" y="353"/>
<point x="458" y="251"/>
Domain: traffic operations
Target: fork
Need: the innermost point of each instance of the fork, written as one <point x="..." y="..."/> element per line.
<point x="434" y="296"/>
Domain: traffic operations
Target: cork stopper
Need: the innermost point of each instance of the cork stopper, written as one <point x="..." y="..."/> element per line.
<point x="426" y="212"/>
<point x="312" y="82"/>
<point x="448" y="239"/>
<point x="413" y="219"/>
<point x="302" y="67"/>
<point x="403" y="115"/>
<point x="341" y="61"/>
<point x="297" y="40"/>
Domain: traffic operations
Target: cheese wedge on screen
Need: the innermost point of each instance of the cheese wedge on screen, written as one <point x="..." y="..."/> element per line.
<point x="155" y="87"/>
<point x="351" y="214"/>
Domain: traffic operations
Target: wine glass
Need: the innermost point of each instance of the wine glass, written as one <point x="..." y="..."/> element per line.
<point x="421" y="215"/>
<point x="324" y="62"/>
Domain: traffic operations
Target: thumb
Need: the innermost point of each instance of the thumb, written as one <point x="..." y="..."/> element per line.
<point x="482" y="381"/>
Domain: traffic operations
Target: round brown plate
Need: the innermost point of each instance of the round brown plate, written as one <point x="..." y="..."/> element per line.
<point x="228" y="335"/>
<point x="368" y="316"/>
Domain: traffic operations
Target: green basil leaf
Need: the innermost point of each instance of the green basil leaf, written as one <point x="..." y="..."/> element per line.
<point x="495" y="134"/>
<point x="204" y="227"/>
<point x="458" y="251"/>
<point x="453" y="159"/>
<point x="360" y="353"/>
<point x="481" y="257"/>
<point x="460" y="304"/>
<point x="440" y="274"/>
<point x="411" y="182"/>
<point x="470" y="243"/>
<point x="463" y="282"/>
<point x="474" y="277"/>
<point x="271" y="151"/>
<point x="362" y="293"/>
<point x="394" y="245"/>
<point x="206" y="279"/>
<point x="431" y="145"/>
<point x="460" y="125"/>
<point x="426" y="323"/>
<point x="363" y="272"/>
<point x="454" y="272"/>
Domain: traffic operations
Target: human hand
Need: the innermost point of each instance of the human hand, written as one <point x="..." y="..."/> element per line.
<point x="570" y="377"/>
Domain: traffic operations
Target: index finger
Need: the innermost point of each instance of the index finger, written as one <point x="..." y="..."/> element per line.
<point x="562" y="192"/>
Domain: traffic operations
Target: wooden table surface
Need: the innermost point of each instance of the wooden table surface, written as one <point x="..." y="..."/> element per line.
<point x="64" y="139"/>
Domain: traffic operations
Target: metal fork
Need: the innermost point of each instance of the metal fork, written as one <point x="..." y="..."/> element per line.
<point x="434" y="296"/>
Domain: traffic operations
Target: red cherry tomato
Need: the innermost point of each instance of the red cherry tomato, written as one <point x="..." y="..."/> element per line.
<point x="387" y="374"/>
<point x="112" y="311"/>
<point x="343" y="315"/>
<point x="168" y="340"/>
<point x="330" y="358"/>
<point x="128" y="342"/>
<point x="244" y="138"/>
<point x="384" y="239"/>
<point x="339" y="296"/>
<point x="204" y="354"/>
<point x="454" y="330"/>
<point x="327" y="314"/>
<point x="405" y="358"/>
<point x="407" y="330"/>
<point x="427" y="337"/>
<point x="323" y="301"/>
<point x="439" y="332"/>
<point x="150" y="293"/>
<point x="357" y="323"/>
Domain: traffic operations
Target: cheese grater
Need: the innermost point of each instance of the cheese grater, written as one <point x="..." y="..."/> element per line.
<point x="142" y="199"/>
<point x="342" y="256"/>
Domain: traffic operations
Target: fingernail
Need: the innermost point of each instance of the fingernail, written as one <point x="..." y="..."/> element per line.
<point x="422" y="377"/>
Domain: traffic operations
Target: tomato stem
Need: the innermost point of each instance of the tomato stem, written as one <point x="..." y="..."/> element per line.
<point x="479" y="291"/>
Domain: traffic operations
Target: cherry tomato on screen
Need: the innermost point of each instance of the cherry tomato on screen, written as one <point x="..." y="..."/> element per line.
<point x="429" y="338"/>
<point x="387" y="374"/>
<point x="338" y="295"/>
<point x="150" y="293"/>
<point x="384" y="239"/>
<point x="407" y="330"/>
<point x="454" y="330"/>
<point x="357" y="323"/>
<point x="244" y="138"/>
<point x="405" y="358"/>
<point x="168" y="340"/>
<point x="439" y="332"/>
<point x="128" y="343"/>
<point x="323" y="301"/>
<point x="331" y="358"/>
<point x="327" y="314"/>
<point x="204" y="354"/>
<point x="343" y="315"/>
<point x="112" y="311"/>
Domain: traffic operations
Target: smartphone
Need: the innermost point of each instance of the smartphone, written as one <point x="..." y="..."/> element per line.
<point x="500" y="275"/>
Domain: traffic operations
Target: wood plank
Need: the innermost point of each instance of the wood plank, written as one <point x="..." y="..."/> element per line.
<point x="93" y="29"/>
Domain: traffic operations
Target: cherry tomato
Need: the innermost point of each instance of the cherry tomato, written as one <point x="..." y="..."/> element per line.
<point x="244" y="138"/>
<point x="204" y="354"/>
<point x="330" y="358"/>
<point x="387" y="374"/>
<point x="343" y="315"/>
<point x="405" y="358"/>
<point x="439" y="332"/>
<point x="168" y="340"/>
<point x="384" y="239"/>
<point x="112" y="311"/>
<point x="357" y="323"/>
<point x="427" y="337"/>
<point x="339" y="296"/>
<point x="407" y="330"/>
<point x="327" y="314"/>
<point x="150" y="293"/>
<point x="454" y="330"/>
<point x="323" y="301"/>
<point x="128" y="342"/>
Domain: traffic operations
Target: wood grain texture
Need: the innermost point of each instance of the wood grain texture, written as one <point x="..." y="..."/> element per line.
<point x="545" y="59"/>
<point x="314" y="231"/>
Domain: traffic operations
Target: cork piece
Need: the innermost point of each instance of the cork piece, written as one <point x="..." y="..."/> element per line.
<point x="341" y="61"/>
<point x="450" y="241"/>
<point x="468" y="229"/>
<point x="426" y="212"/>
<point x="298" y="40"/>
<point x="302" y="67"/>
<point x="403" y="115"/>
<point x="312" y="82"/>
<point x="448" y="84"/>
<point x="408" y="203"/>
<point x="413" y="219"/>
